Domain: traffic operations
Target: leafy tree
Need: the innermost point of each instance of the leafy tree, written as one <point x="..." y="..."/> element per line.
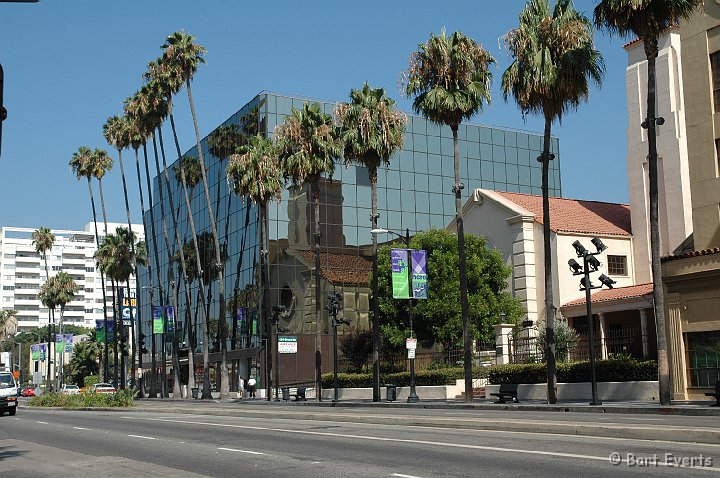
<point x="566" y="339"/>
<point x="357" y="347"/>
<point x="449" y="78"/>
<point x="84" y="361"/>
<point x="554" y="62"/>
<point x="438" y="319"/>
<point x="647" y="19"/>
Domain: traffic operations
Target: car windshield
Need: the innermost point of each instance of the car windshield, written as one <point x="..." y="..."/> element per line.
<point x="6" y="381"/>
<point x="71" y="387"/>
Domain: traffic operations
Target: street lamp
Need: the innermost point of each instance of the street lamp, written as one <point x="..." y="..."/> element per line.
<point x="276" y="311"/>
<point x="335" y="305"/>
<point x="590" y="264"/>
<point x="413" y="397"/>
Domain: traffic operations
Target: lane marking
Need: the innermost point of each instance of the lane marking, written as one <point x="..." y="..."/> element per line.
<point x="80" y="428"/>
<point x="143" y="437"/>
<point x="241" y="451"/>
<point x="404" y="476"/>
<point x="44" y="423"/>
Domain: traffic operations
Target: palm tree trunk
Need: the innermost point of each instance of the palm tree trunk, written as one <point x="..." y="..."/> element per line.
<point x="264" y="240"/>
<point x="375" y="291"/>
<point x="315" y="187"/>
<point x="549" y="307"/>
<point x="224" y="376"/>
<point x="188" y="335"/>
<point x="651" y="51"/>
<point x="141" y="387"/>
<point x="464" y="308"/>
<point x="102" y="279"/>
<point x="204" y="323"/>
<point x="133" y="372"/>
<point x="50" y="321"/>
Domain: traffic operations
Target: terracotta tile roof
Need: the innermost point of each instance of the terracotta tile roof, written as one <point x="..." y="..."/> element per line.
<point x="574" y="215"/>
<point x="341" y="268"/>
<point x="704" y="252"/>
<point x="618" y="293"/>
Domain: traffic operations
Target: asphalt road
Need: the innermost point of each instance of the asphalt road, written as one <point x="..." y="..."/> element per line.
<point x="57" y="443"/>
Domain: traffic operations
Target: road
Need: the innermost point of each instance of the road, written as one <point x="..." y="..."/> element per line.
<point x="59" y="443"/>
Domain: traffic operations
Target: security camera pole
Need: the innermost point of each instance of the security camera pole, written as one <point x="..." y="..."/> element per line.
<point x="590" y="264"/>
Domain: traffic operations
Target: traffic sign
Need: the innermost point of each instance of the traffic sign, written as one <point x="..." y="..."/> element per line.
<point x="411" y="353"/>
<point x="411" y="343"/>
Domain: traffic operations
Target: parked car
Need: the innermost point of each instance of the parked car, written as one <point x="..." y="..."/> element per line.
<point x="28" y="391"/>
<point x="70" y="390"/>
<point x="8" y="393"/>
<point x="102" y="388"/>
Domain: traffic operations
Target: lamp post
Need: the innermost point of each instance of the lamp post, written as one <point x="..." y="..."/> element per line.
<point x="590" y="264"/>
<point x="276" y="311"/>
<point x="413" y="397"/>
<point x="335" y="305"/>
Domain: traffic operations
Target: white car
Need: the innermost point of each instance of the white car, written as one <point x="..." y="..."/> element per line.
<point x="70" y="390"/>
<point x="102" y="388"/>
<point x="8" y="393"/>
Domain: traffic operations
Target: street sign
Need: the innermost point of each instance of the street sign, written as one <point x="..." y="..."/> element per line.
<point x="287" y="344"/>
<point x="410" y="344"/>
<point x="411" y="353"/>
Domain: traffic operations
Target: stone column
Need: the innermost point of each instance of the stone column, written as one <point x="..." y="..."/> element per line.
<point x="502" y="343"/>
<point x="644" y="331"/>
<point x="676" y="347"/>
<point x="603" y="336"/>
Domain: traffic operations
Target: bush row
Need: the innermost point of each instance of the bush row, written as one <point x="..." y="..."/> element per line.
<point x="442" y="376"/>
<point x="606" y="371"/>
<point x="121" y="399"/>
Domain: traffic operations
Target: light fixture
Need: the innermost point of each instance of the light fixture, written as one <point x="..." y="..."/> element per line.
<point x="593" y="263"/>
<point x="378" y="230"/>
<point x="608" y="282"/>
<point x="598" y="244"/>
<point x="586" y="284"/>
<point x="575" y="268"/>
<point x="579" y="249"/>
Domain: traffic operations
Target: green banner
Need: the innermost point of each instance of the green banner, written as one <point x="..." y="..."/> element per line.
<point x="158" y="319"/>
<point x="59" y="343"/>
<point x="400" y="273"/>
<point x="35" y="351"/>
<point x="100" y="331"/>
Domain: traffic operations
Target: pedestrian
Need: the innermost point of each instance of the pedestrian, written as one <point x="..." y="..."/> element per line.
<point x="251" y="387"/>
<point x="241" y="387"/>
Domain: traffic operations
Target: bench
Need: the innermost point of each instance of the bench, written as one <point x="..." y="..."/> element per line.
<point x="508" y="391"/>
<point x="715" y="394"/>
<point x="298" y="396"/>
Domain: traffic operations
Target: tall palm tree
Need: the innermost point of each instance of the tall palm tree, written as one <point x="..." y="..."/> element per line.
<point x="554" y="62"/>
<point x="182" y="57"/>
<point x="80" y="165"/>
<point x="8" y="329"/>
<point x="308" y="148"/>
<point x="371" y="131"/>
<point x="647" y="20"/>
<point x="44" y="239"/>
<point x="257" y="172"/>
<point x="449" y="78"/>
<point x="58" y="291"/>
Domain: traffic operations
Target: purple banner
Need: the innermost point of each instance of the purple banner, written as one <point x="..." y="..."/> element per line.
<point x="419" y="274"/>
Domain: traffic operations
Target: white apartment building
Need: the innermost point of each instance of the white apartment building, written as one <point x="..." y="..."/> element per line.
<point x="22" y="272"/>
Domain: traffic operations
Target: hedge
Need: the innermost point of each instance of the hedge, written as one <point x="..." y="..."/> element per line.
<point x="443" y="376"/>
<point x="605" y="370"/>
<point x="121" y="399"/>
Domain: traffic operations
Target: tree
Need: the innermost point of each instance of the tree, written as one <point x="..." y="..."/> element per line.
<point x="43" y="239"/>
<point x="8" y="329"/>
<point x="438" y="319"/>
<point x="357" y="347"/>
<point x="449" y="78"/>
<point x="84" y="361"/>
<point x="371" y="131"/>
<point x="554" y="62"/>
<point x="308" y="149"/>
<point x="256" y="171"/>
<point x="647" y="19"/>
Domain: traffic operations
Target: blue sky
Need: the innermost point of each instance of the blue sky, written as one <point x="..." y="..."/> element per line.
<point x="69" y="64"/>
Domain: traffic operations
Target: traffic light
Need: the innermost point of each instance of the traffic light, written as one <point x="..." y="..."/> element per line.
<point x="124" y="346"/>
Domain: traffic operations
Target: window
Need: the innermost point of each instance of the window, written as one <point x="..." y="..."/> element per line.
<point x="8" y="287"/>
<point x="617" y="265"/>
<point x="715" y="70"/>
<point x="89" y="269"/>
<point x="703" y="354"/>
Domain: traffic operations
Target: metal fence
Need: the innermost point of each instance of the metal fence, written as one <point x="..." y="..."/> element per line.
<point x="625" y="341"/>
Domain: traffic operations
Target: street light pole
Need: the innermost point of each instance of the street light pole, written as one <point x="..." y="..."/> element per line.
<point x="277" y="310"/>
<point x="335" y="305"/>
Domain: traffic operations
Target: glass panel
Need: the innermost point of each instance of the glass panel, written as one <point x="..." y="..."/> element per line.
<point x="535" y="142"/>
<point x="522" y="140"/>
<point x="512" y="173"/>
<point x="434" y="164"/>
<point x="284" y="105"/>
<point x="433" y="129"/>
<point x="485" y="135"/>
<point x="510" y="138"/>
<point x="419" y="125"/>
<point x="473" y="150"/>
<point x="419" y="143"/>
<point x="393" y="199"/>
<point x="364" y="198"/>
<point x="486" y="171"/>
<point x="499" y="172"/>
<point x="421" y="162"/>
<point x="498" y="136"/>
<point x="406" y="161"/>
<point x="473" y="133"/>
<point x="511" y="155"/>
<point x="486" y="151"/>
<point x="393" y="179"/>
<point x="524" y="177"/>
<point x="422" y="201"/>
<point x="433" y="143"/>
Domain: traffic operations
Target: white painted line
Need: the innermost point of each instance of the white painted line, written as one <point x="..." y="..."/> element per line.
<point x="405" y="476"/>
<point x="241" y="451"/>
<point x="140" y="436"/>
<point x="80" y="428"/>
<point x="44" y="423"/>
<point x="643" y="419"/>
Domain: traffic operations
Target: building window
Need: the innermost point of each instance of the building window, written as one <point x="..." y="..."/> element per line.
<point x="617" y="265"/>
<point x="715" y="69"/>
<point x="703" y="350"/>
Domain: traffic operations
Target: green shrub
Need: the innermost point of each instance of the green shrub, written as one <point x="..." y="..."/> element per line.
<point x="445" y="376"/>
<point x="90" y="380"/>
<point x="611" y="370"/>
<point x="121" y="399"/>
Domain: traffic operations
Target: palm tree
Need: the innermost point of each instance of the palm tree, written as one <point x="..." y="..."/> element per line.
<point x="44" y="239"/>
<point x="182" y="56"/>
<point x="449" y="77"/>
<point x="257" y="172"/>
<point x="554" y="62"/>
<point x="371" y="131"/>
<point x="308" y="148"/>
<point x="8" y="329"/>
<point x="81" y="168"/>
<point x="647" y="20"/>
<point x="58" y="291"/>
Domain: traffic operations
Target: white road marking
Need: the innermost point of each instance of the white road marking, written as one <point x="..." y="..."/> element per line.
<point x="80" y="428"/>
<point x="241" y="451"/>
<point x="642" y="419"/>
<point x="404" y="476"/>
<point x="44" y="423"/>
<point x="140" y="436"/>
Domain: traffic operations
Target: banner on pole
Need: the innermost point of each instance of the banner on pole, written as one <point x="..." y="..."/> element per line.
<point x="59" y="343"/>
<point x="35" y="351"/>
<point x="69" y="343"/>
<point x="158" y="319"/>
<point x="111" y="331"/>
<point x="399" y="273"/>
<point x="419" y="274"/>
<point x="100" y="331"/>
<point x="170" y="322"/>
<point x="128" y="308"/>
<point x="43" y="352"/>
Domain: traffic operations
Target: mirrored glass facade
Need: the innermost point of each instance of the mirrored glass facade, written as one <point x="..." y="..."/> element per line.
<point x="414" y="192"/>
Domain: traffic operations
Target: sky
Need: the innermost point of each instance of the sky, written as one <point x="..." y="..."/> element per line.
<point x="69" y="64"/>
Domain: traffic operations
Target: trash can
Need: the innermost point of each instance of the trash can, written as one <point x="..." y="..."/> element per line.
<point x="285" y="393"/>
<point x="194" y="391"/>
<point x="391" y="392"/>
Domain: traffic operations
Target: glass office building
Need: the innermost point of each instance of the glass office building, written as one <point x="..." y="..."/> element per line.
<point x="414" y="192"/>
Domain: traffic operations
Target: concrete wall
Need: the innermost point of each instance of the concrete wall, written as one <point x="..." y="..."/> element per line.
<point x="607" y="391"/>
